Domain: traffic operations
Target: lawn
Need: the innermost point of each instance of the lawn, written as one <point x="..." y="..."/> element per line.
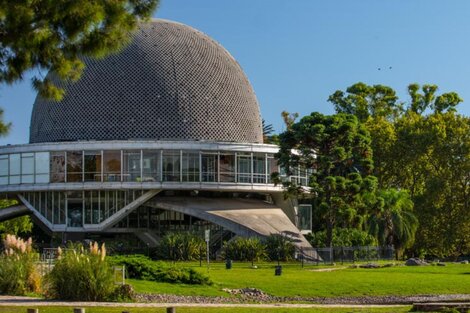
<point x="208" y="310"/>
<point x="307" y="282"/>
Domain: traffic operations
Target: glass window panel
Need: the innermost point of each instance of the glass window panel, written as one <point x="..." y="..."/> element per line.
<point x="244" y="168"/>
<point x="171" y="165"/>
<point x="57" y="167"/>
<point x="209" y="167"/>
<point x="15" y="164"/>
<point x="92" y="165"/>
<point x="112" y="165"/>
<point x="3" y="165"/>
<point x="27" y="179"/>
<point x="151" y="165"/>
<point x="272" y="167"/>
<point x="191" y="166"/>
<point x="131" y="165"/>
<point x="3" y="180"/>
<point x="15" y="179"/>
<point x="259" y="169"/>
<point x="27" y="163"/>
<point x="227" y="168"/>
<point x="42" y="163"/>
<point x="74" y="166"/>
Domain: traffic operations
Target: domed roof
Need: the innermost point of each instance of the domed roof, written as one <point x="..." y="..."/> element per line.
<point x="171" y="83"/>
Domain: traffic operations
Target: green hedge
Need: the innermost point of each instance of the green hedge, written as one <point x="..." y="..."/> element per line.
<point x="141" y="267"/>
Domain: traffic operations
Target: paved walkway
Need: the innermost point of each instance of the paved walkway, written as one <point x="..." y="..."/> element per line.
<point x="6" y="301"/>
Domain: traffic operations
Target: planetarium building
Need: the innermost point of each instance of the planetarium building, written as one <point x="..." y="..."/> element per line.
<point x="163" y="136"/>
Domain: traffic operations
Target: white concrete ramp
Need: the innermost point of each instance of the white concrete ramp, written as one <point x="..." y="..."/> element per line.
<point x="244" y="217"/>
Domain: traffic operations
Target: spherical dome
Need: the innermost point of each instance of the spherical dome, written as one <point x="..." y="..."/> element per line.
<point x="171" y="83"/>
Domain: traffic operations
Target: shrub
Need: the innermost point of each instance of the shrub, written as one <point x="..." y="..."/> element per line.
<point x="180" y="247"/>
<point x="244" y="249"/>
<point x="343" y="237"/>
<point x="18" y="272"/>
<point x="81" y="274"/>
<point x="141" y="267"/>
<point x="279" y="247"/>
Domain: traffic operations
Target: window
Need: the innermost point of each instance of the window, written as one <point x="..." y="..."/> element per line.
<point x="27" y="168"/>
<point x="227" y="167"/>
<point x="42" y="167"/>
<point x="244" y="168"/>
<point x="190" y="166"/>
<point x="112" y="165"/>
<point x="4" y="169"/>
<point x="171" y="165"/>
<point x="259" y="169"/>
<point x="209" y="167"/>
<point x="92" y="165"/>
<point x="151" y="165"/>
<point x="15" y="167"/>
<point x="57" y="167"/>
<point x="131" y="165"/>
<point x="74" y="166"/>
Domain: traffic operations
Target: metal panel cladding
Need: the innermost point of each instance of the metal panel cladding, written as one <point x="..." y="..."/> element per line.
<point x="171" y="82"/>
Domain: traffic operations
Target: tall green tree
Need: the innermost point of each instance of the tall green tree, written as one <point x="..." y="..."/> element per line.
<point x="42" y="35"/>
<point x="336" y="151"/>
<point x="423" y="149"/>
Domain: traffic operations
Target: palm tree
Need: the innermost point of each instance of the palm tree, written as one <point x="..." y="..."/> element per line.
<point x="393" y="222"/>
<point x="267" y="131"/>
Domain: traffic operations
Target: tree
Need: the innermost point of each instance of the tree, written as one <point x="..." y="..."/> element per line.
<point x="366" y="101"/>
<point x="267" y="131"/>
<point x="4" y="127"/>
<point x="336" y="151"/>
<point x="420" y="102"/>
<point x="393" y="221"/>
<point x="53" y="35"/>
<point x="425" y="150"/>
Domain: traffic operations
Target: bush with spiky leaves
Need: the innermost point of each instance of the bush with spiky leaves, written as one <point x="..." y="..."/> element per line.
<point x="245" y="249"/>
<point x="81" y="274"/>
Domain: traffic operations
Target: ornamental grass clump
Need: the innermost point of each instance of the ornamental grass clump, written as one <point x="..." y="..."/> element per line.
<point x="81" y="274"/>
<point x="18" y="270"/>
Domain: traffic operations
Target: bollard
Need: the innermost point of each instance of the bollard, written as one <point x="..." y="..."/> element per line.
<point x="32" y="310"/>
<point x="78" y="310"/>
<point x="171" y="310"/>
<point x="278" y="270"/>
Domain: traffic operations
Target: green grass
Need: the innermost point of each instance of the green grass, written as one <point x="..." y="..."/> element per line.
<point x="209" y="310"/>
<point x="295" y="281"/>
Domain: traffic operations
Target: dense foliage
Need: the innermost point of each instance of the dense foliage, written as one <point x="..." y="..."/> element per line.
<point x="141" y="267"/>
<point x="418" y="185"/>
<point x="336" y="152"/>
<point x="343" y="237"/>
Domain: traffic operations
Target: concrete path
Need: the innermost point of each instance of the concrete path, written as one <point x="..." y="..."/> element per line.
<point x="8" y="301"/>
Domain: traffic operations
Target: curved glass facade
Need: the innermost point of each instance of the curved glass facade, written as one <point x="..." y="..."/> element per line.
<point x="139" y="166"/>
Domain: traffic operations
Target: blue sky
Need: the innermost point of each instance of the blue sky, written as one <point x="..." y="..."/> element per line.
<point x="297" y="53"/>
